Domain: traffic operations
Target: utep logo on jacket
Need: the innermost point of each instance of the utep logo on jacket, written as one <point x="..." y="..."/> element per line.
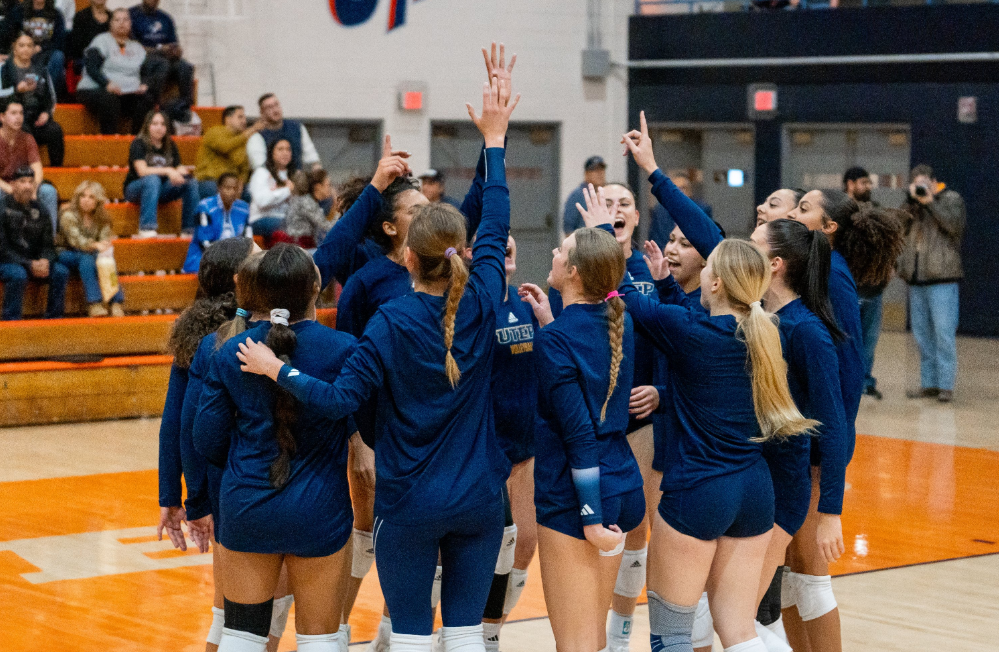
<point x="644" y="287"/>
<point x="351" y="13"/>
<point x="519" y="337"/>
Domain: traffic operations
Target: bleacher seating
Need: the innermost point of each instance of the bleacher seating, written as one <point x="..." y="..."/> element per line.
<point x="79" y="368"/>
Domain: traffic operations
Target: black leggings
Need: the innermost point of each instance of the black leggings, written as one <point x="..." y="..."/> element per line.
<point x="49" y="135"/>
<point x="110" y="109"/>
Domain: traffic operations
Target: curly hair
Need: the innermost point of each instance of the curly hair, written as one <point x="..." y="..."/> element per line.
<point x="215" y="302"/>
<point x="349" y="192"/>
<point x="872" y="244"/>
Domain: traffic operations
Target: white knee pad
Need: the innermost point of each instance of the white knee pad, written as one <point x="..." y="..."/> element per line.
<point x="618" y="549"/>
<point x="234" y="640"/>
<point x="463" y="639"/>
<point x="777" y="627"/>
<point x="435" y="593"/>
<point x="318" y="642"/>
<point x="703" y="634"/>
<point x="518" y="580"/>
<point x="752" y="645"/>
<point x="631" y="574"/>
<point x="772" y="642"/>
<point x="279" y="617"/>
<point x="789" y="589"/>
<point x="410" y="643"/>
<point x="215" y="631"/>
<point x="364" y="554"/>
<point x="504" y="563"/>
<point x="344" y="637"/>
<point x="815" y="596"/>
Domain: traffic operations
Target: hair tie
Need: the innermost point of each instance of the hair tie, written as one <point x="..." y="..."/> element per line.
<point x="280" y="316"/>
<point x="242" y="313"/>
<point x="611" y="295"/>
<point x="756" y="304"/>
<point x="450" y="251"/>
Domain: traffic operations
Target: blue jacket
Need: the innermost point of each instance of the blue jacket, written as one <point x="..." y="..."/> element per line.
<point x="211" y="216"/>
<point x="152" y="29"/>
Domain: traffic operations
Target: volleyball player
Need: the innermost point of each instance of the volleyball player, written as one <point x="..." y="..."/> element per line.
<point x="440" y="469"/>
<point x="778" y="205"/>
<point x="284" y="494"/>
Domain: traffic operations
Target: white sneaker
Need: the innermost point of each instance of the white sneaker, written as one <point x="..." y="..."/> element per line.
<point x="145" y="233"/>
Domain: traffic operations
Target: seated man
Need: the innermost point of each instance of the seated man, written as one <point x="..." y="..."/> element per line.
<point x="155" y="30"/>
<point x="223" y="150"/>
<point x="219" y="217"/>
<point x="27" y="249"/>
<point x="19" y="149"/>
<point x="275" y="127"/>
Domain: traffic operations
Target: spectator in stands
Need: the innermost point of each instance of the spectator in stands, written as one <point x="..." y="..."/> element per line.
<point x="31" y="85"/>
<point x="88" y="23"/>
<point x="595" y="172"/>
<point x="84" y="234"/>
<point x="19" y="149"/>
<point x="270" y="189"/>
<point x="661" y="222"/>
<point x="857" y="183"/>
<point x="155" y="30"/>
<point x="156" y="176"/>
<point x="931" y="264"/>
<point x="432" y="187"/>
<point x="306" y="223"/>
<point x="303" y="152"/>
<point x="222" y="216"/>
<point x="27" y="249"/>
<point x="118" y="78"/>
<point x="223" y="150"/>
<point x="46" y="25"/>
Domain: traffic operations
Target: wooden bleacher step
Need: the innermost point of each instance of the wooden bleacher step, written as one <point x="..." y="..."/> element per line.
<point x="125" y="219"/>
<point x="66" y="180"/>
<point x="169" y="292"/>
<point x="39" y="339"/>
<point x="76" y="120"/>
<point x="95" y="151"/>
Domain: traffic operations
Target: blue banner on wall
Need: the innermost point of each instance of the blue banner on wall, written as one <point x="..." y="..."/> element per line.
<point x="351" y="13"/>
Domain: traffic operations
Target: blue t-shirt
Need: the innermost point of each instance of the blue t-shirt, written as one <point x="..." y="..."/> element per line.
<point x="152" y="29"/>
<point x="311" y="515"/>
<point x="436" y="452"/>
<point x="574" y="356"/>
<point x="515" y="380"/>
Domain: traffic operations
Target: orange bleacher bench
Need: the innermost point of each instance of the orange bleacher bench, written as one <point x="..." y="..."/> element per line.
<point x="172" y="292"/>
<point x="113" y="150"/>
<point x="76" y="120"/>
<point x="125" y="218"/>
<point x="50" y="338"/>
<point x="66" y="180"/>
<point x="150" y="255"/>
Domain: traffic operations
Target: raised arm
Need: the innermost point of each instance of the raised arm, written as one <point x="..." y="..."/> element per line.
<point x="697" y="227"/>
<point x="488" y="254"/>
<point x="336" y="256"/>
<point x="666" y="325"/>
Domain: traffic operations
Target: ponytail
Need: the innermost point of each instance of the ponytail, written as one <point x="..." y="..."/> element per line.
<point x="459" y="277"/>
<point x="282" y="340"/>
<point x="745" y="274"/>
<point x="246" y="296"/>
<point x="231" y="328"/>
<point x="615" y="328"/>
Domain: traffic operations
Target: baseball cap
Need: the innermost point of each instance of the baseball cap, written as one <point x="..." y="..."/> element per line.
<point x="432" y="175"/>
<point x="595" y="163"/>
<point x="22" y="172"/>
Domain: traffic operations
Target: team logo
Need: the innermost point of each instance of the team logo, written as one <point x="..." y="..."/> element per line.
<point x="351" y="13"/>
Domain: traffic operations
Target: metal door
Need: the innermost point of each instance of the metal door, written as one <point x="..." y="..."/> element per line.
<point x="532" y="174"/>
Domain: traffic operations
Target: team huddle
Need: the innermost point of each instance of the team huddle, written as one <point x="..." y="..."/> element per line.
<point x="453" y="422"/>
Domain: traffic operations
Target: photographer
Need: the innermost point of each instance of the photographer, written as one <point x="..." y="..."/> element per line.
<point x="931" y="264"/>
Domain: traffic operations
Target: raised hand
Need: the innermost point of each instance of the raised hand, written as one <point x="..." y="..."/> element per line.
<point x="539" y="302"/>
<point x="497" y="67"/>
<point x="604" y="538"/>
<point x="656" y="262"/>
<point x="170" y="520"/>
<point x="496" y="110"/>
<point x="639" y="145"/>
<point x="392" y="165"/>
<point x="596" y="212"/>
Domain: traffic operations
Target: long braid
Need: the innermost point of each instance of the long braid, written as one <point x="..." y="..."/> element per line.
<point x="459" y="276"/>
<point x="615" y="321"/>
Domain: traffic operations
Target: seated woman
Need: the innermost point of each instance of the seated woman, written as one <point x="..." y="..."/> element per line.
<point x="30" y="83"/>
<point x="306" y="223"/>
<point x="116" y="77"/>
<point x="46" y="26"/>
<point x="155" y="175"/>
<point x="84" y="233"/>
<point x="270" y="190"/>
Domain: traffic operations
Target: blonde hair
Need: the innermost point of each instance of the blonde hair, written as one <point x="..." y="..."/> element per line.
<point x="101" y="216"/>
<point x="435" y="229"/>
<point x="745" y="275"/>
<point x="600" y="262"/>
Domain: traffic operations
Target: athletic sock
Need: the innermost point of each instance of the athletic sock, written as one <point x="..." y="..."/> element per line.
<point x="383" y="638"/>
<point x="771" y="640"/>
<point x="215" y="631"/>
<point x="411" y="643"/>
<point x="490" y="636"/>
<point x="463" y="639"/>
<point x="234" y="640"/>
<point x="619" y="630"/>
<point x="752" y="645"/>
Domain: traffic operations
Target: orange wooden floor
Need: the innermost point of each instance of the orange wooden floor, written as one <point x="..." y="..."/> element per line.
<point x="78" y="564"/>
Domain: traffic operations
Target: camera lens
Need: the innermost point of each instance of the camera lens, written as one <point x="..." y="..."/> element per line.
<point x="921" y="191"/>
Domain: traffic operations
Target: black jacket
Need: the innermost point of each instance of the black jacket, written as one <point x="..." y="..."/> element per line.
<point x="25" y="232"/>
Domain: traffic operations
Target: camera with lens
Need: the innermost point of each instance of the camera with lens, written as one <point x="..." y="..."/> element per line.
<point x="922" y="191"/>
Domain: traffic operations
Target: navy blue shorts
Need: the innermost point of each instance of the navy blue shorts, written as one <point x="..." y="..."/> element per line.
<point x="791" y="475"/>
<point x="739" y="504"/>
<point x="625" y="511"/>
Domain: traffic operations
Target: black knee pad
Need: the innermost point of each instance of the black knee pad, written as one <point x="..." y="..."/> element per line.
<point x="252" y="618"/>
<point x="769" y="610"/>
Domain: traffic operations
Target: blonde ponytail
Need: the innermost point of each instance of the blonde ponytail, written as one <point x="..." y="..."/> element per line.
<point x="615" y="327"/>
<point x="459" y="277"/>
<point x="745" y="274"/>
